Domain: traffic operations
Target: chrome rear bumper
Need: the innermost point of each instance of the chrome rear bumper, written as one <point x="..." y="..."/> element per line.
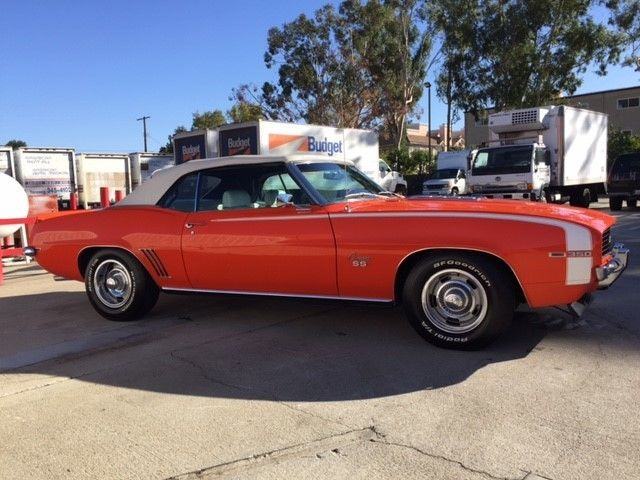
<point x="609" y="273"/>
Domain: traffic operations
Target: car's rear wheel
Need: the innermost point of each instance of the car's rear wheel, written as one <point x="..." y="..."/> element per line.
<point x="615" y="203"/>
<point x="118" y="286"/>
<point x="459" y="300"/>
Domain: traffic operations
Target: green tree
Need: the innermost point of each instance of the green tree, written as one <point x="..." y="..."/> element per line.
<point x="625" y="18"/>
<point x="168" y="148"/>
<point x="524" y="52"/>
<point x="621" y="142"/>
<point x="244" y="111"/>
<point x="15" y="144"/>
<point x="393" y="42"/>
<point x="320" y="76"/>
<point x="209" y="119"/>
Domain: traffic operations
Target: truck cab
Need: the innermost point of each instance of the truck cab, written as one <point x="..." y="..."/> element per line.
<point x="390" y="180"/>
<point x="512" y="171"/>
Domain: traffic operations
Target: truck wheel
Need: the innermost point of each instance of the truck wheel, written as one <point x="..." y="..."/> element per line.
<point x="401" y="189"/>
<point x="580" y="197"/>
<point x="632" y="203"/>
<point x="118" y="286"/>
<point x="454" y="192"/>
<point x="459" y="300"/>
<point x="615" y="203"/>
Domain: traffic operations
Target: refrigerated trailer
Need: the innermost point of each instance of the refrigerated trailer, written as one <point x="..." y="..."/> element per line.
<point x="47" y="171"/>
<point x="96" y="170"/>
<point x="553" y="153"/>
<point x="143" y="164"/>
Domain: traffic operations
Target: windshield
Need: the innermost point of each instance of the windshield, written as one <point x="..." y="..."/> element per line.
<point x="503" y="160"/>
<point x="626" y="164"/>
<point x="444" y="173"/>
<point x="336" y="183"/>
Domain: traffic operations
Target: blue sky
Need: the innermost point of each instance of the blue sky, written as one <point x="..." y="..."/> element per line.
<point x="79" y="73"/>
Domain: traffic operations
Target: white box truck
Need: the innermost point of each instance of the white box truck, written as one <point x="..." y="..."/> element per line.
<point x="96" y="170"/>
<point x="47" y="171"/>
<point x="450" y="177"/>
<point x="264" y="137"/>
<point x="143" y="164"/>
<point x="553" y="153"/>
<point x="6" y="161"/>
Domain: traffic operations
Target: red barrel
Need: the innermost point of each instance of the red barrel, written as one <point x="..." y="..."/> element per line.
<point x="104" y="197"/>
<point x="119" y="195"/>
<point x="73" y="201"/>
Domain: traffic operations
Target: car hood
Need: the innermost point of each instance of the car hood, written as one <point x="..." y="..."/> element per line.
<point x="581" y="216"/>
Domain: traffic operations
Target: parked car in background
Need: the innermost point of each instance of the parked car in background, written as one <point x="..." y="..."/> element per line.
<point x="623" y="183"/>
<point x="309" y="226"/>
<point x="450" y="178"/>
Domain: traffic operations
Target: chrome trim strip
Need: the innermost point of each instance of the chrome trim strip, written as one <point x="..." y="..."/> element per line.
<point x="300" y="216"/>
<point x="274" y="294"/>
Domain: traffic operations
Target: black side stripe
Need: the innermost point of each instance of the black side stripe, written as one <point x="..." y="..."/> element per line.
<point x="155" y="261"/>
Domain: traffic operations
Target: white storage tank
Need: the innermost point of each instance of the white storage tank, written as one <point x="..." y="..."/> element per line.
<point x="144" y="163"/>
<point x="47" y="171"/>
<point x="96" y="170"/>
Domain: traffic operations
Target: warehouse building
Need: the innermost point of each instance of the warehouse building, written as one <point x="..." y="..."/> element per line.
<point x="622" y="105"/>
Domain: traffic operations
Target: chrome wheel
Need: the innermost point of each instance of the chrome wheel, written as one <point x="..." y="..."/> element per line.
<point x="454" y="301"/>
<point x="112" y="283"/>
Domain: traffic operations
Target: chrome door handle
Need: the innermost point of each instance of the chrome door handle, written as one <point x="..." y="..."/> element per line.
<point x="191" y="225"/>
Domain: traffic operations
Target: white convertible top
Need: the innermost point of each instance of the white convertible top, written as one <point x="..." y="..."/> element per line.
<point x="151" y="191"/>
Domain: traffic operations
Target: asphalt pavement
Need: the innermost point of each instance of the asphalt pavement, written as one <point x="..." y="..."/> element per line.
<point x="266" y="388"/>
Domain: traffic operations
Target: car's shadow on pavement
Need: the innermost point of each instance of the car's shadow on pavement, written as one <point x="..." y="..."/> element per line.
<point x="246" y="348"/>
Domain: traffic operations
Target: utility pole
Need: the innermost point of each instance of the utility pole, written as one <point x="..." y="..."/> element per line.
<point x="144" y="126"/>
<point x="428" y="85"/>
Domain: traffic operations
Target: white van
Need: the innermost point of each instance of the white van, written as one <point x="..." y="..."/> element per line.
<point x="450" y="178"/>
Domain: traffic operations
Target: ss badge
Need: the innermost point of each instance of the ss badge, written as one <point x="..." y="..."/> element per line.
<point x="359" y="261"/>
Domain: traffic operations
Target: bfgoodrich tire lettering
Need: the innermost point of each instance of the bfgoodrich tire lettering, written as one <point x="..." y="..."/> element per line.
<point x="459" y="300"/>
<point x="118" y="286"/>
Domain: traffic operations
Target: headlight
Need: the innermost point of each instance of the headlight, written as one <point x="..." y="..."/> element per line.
<point x="521" y="186"/>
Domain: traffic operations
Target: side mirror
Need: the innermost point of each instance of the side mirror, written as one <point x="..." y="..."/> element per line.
<point x="284" y="199"/>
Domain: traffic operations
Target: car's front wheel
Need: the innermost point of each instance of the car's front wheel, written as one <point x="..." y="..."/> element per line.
<point x="118" y="286"/>
<point x="459" y="300"/>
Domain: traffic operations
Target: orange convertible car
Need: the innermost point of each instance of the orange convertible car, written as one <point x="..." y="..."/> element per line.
<point x="309" y="226"/>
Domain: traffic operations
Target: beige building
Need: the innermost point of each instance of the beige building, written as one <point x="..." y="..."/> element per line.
<point x="418" y="138"/>
<point x="622" y="105"/>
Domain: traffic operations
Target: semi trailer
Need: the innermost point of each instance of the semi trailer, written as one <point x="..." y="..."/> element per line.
<point x="554" y="154"/>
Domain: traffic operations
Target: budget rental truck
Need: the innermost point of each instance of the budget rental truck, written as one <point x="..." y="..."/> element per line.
<point x="554" y="154"/>
<point x="263" y="137"/>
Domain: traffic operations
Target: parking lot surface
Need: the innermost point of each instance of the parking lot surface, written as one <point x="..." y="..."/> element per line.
<point x="234" y="387"/>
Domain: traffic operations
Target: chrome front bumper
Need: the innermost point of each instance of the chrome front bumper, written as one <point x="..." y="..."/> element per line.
<point x="609" y="273"/>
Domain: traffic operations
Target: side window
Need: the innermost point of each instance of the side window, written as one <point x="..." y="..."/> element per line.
<point x="182" y="194"/>
<point x="250" y="186"/>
